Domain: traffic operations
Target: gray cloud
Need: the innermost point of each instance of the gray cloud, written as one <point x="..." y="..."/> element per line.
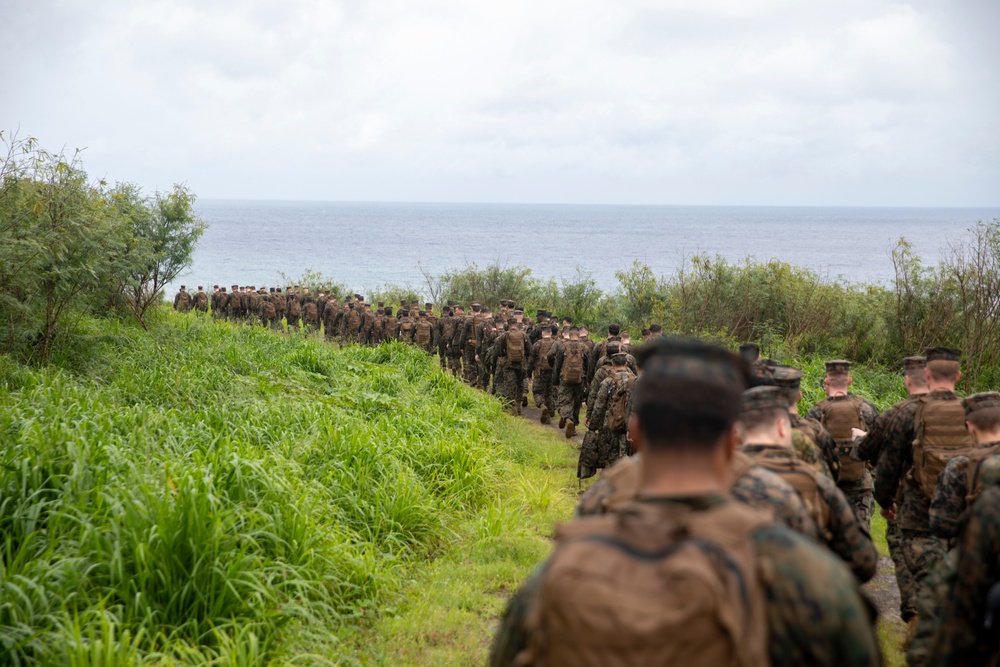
<point x="721" y="101"/>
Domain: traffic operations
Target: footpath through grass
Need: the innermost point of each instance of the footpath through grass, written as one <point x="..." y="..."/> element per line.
<point x="211" y="494"/>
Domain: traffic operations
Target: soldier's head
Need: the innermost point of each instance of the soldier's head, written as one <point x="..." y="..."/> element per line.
<point x="388" y="311"/>
<point x="982" y="416"/>
<point x="380" y="311"/>
<point x="428" y="306"/>
<point x="421" y="314"/>
<point x="200" y="288"/>
<point x="913" y="375"/>
<point x="943" y="368"/>
<point x="183" y="288"/>
<point x="645" y="335"/>
<point x="567" y="322"/>
<point x="459" y="310"/>
<point x="222" y="289"/>
<point x="546" y="332"/>
<point x="789" y="380"/>
<point x="655" y="331"/>
<point x="765" y="419"/>
<point x="750" y="352"/>
<point x="583" y="331"/>
<point x="612" y="349"/>
<point x="686" y="404"/>
<point x="838" y="377"/>
<point x="477" y="308"/>
<point x="215" y="288"/>
<point x="614" y="329"/>
<point x="619" y="360"/>
<point x="626" y="338"/>
<point x="519" y="315"/>
<point x="573" y="333"/>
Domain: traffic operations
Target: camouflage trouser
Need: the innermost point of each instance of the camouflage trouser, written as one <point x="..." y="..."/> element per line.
<point x="611" y="448"/>
<point x="442" y="356"/>
<point x="861" y="497"/>
<point x="589" y="455"/>
<point x="893" y="536"/>
<point x="470" y="367"/>
<point x="455" y="363"/>
<point x="508" y="384"/>
<point x="570" y="398"/>
<point x="922" y="552"/>
<point x="927" y="605"/>
<point x="544" y="392"/>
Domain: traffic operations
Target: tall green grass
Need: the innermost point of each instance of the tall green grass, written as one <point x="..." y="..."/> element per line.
<point x="212" y="494"/>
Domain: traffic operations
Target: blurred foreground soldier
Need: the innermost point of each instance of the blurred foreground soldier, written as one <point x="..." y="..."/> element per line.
<point x="201" y="300"/>
<point x="182" y="301"/>
<point x="968" y="627"/>
<point x="767" y="440"/>
<point x="840" y="413"/>
<point x="921" y="438"/>
<point x="810" y="440"/>
<point x="684" y="575"/>
<point x="869" y="449"/>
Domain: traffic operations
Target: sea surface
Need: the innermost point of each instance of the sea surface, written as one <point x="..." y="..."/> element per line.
<point x="369" y="245"/>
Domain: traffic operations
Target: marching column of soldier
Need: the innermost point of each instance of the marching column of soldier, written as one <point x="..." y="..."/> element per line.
<point x="724" y="528"/>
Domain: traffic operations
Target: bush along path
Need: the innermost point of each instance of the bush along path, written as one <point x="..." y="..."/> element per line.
<point x="211" y="494"/>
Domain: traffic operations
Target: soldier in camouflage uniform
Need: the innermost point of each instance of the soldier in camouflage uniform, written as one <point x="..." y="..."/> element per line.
<point x="570" y="391"/>
<point x="869" y="449"/>
<point x="541" y="373"/>
<point x="855" y="479"/>
<point x="960" y="638"/>
<point x="467" y="344"/>
<point x="810" y="440"/>
<point x="510" y="364"/>
<point x="922" y="550"/>
<point x="611" y="446"/>
<point x="182" y="300"/>
<point x="768" y="440"/>
<point x="814" y="612"/>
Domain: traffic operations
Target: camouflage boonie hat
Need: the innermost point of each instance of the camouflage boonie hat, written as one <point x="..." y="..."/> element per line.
<point x="838" y="366"/>
<point x="943" y="354"/>
<point x="764" y="398"/>
<point x="787" y="377"/>
<point x="914" y="363"/>
<point x="685" y="359"/>
<point x="976" y="402"/>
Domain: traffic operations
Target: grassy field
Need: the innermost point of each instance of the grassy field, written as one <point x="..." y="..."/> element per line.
<point x="211" y="494"/>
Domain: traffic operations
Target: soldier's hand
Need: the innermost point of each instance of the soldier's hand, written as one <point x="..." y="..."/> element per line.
<point x="889" y="512"/>
<point x="858" y="433"/>
<point x="477" y="358"/>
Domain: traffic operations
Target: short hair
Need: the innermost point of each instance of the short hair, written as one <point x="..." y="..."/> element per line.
<point x="986" y="419"/>
<point x="684" y="414"/>
<point x="655" y="329"/>
<point x="614" y="329"/>
<point x="943" y="371"/>
<point x="838" y="380"/>
<point x="568" y="320"/>
<point x="755" y="419"/>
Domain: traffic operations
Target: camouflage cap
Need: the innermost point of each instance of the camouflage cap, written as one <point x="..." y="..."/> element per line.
<point x="619" y="358"/>
<point x="764" y="398"/>
<point x="943" y="354"/>
<point x="183" y="287"/>
<point x="380" y="305"/>
<point x="451" y="304"/>
<point x="914" y="363"/>
<point x="201" y="287"/>
<point x="428" y="305"/>
<point x="787" y="377"/>
<point x="234" y="286"/>
<point x="838" y="366"/>
<point x="987" y="399"/>
<point x="688" y="359"/>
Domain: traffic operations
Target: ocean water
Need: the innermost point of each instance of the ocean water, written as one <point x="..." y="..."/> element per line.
<point x="369" y="245"/>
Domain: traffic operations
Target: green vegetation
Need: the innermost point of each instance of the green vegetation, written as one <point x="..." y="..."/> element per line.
<point x="206" y="492"/>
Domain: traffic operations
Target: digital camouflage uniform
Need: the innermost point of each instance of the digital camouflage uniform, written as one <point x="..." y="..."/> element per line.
<point x="960" y="639"/>
<point x="569" y="396"/>
<point x="541" y="376"/>
<point x="752" y="485"/>
<point x="817" y="446"/>
<point x="610" y="446"/>
<point x="509" y="376"/>
<point x="815" y="612"/>
<point x="949" y="501"/>
<point x="858" y="493"/>
<point x="921" y="549"/>
<point x="843" y="534"/>
<point x="870" y="449"/>
<point x="182" y="302"/>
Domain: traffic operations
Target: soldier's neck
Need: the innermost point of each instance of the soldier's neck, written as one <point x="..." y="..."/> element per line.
<point x="684" y="474"/>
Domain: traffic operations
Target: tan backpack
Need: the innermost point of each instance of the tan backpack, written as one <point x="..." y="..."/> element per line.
<point x="515" y="347"/>
<point x="802" y="478"/>
<point x="572" y="365"/>
<point x="620" y="402"/>
<point x="840" y="415"/>
<point x="423" y="334"/>
<point x="653" y="584"/>
<point x="312" y="312"/>
<point x="544" y="345"/>
<point x="268" y="311"/>
<point x="941" y="435"/>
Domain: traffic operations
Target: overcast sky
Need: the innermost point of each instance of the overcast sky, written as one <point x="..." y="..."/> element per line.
<point x="785" y="102"/>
